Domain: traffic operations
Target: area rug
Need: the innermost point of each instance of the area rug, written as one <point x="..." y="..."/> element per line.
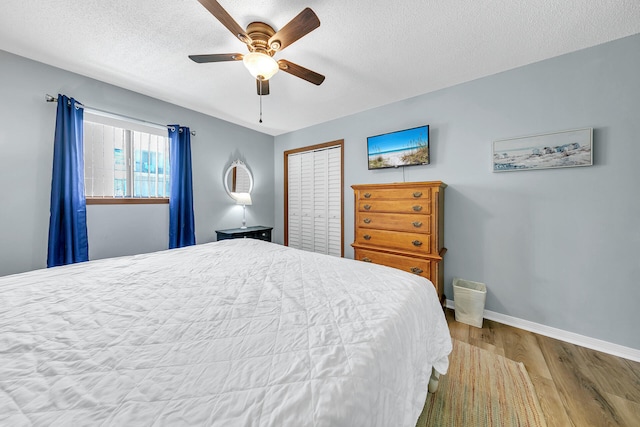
<point x="482" y="389"/>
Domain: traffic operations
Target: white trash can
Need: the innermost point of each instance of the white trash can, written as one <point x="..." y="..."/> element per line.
<point x="469" y="298"/>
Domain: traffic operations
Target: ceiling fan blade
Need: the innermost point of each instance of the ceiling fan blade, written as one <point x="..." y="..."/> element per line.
<point x="217" y="57"/>
<point x="305" y="22"/>
<point x="223" y="16"/>
<point x="303" y="73"/>
<point x="264" y="85"/>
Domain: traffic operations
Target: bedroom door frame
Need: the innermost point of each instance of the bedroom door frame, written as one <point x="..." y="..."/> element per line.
<point x="312" y="148"/>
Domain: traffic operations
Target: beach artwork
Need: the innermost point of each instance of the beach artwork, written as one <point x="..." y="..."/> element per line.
<point x="553" y="150"/>
<point x="403" y="148"/>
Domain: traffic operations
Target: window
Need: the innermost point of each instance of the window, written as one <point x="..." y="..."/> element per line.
<point x="124" y="161"/>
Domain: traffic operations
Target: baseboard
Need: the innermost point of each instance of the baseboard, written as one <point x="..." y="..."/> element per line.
<point x="577" y="339"/>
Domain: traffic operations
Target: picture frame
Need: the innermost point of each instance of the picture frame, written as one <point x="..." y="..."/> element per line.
<point x="569" y="148"/>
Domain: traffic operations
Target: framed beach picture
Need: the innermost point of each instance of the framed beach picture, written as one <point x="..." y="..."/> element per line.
<point x="564" y="149"/>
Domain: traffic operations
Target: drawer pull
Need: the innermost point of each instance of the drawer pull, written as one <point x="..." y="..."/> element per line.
<point x="367" y="220"/>
<point x="367" y="237"/>
<point x="417" y="194"/>
<point x="416" y="270"/>
<point x="367" y="207"/>
<point x="417" y="243"/>
<point x="417" y="224"/>
<point x="367" y="195"/>
<point x="366" y="259"/>
<point x="417" y="208"/>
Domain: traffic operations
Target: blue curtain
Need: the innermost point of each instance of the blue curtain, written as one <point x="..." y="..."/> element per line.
<point x="181" y="222"/>
<point x="68" y="241"/>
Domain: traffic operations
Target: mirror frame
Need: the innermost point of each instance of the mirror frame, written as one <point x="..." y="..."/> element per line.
<point x="241" y="165"/>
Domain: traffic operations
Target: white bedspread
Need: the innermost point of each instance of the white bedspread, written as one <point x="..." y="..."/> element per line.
<point x="232" y="333"/>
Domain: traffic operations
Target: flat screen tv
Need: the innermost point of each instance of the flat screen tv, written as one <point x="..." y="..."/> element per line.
<point x="407" y="147"/>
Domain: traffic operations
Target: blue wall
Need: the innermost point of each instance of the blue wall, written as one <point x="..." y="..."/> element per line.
<point x="559" y="247"/>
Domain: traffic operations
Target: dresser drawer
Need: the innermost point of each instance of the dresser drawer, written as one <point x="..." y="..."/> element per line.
<point x="407" y="242"/>
<point x="412" y="223"/>
<point x="419" y="266"/>
<point x="395" y="193"/>
<point x="395" y="206"/>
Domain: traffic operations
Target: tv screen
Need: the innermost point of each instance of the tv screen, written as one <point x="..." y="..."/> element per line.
<point x="407" y="147"/>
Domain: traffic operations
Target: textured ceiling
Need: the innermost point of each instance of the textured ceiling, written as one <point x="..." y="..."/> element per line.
<point x="371" y="52"/>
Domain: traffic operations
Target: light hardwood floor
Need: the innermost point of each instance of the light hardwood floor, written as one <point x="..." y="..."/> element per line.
<point x="576" y="386"/>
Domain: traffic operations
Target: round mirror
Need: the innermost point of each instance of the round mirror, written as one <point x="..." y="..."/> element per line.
<point x="238" y="179"/>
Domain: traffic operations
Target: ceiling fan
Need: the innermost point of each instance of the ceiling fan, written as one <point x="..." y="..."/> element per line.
<point x="263" y="42"/>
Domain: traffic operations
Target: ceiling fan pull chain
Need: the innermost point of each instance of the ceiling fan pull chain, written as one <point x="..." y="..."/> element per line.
<point x="260" y="121"/>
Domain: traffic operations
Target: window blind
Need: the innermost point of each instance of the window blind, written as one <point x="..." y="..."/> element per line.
<point x="121" y="161"/>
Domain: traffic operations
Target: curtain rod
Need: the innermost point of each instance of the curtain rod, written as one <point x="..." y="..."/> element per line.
<point x="88" y="109"/>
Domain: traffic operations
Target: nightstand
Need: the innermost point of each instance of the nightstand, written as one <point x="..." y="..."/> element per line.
<point x="256" y="232"/>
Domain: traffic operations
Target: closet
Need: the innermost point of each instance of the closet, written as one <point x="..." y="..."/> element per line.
<point x="313" y="199"/>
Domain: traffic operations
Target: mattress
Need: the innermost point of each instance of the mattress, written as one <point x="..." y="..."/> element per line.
<point x="232" y="333"/>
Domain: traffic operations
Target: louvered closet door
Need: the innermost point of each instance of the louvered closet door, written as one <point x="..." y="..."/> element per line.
<point x="306" y="202"/>
<point x="294" y="202"/>
<point x="315" y="201"/>
<point x="334" y="203"/>
<point x="320" y="202"/>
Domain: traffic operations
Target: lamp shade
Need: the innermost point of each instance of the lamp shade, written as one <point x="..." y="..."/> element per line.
<point x="260" y="65"/>
<point x="242" y="198"/>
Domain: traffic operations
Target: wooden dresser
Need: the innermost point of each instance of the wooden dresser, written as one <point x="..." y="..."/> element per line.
<point x="401" y="225"/>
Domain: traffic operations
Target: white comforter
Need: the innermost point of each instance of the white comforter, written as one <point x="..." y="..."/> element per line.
<point x="233" y="333"/>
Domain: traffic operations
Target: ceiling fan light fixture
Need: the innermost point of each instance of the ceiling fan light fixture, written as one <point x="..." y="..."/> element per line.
<point x="260" y="65"/>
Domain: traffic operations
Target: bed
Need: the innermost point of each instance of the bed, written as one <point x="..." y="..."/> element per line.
<point x="232" y="333"/>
